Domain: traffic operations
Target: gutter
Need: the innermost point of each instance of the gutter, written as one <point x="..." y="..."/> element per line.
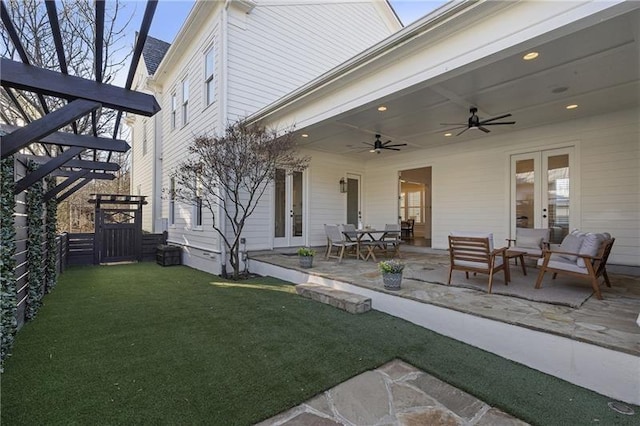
<point x="392" y="42"/>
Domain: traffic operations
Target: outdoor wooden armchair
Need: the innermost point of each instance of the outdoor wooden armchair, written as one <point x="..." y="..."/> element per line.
<point x="561" y="262"/>
<point x="476" y="254"/>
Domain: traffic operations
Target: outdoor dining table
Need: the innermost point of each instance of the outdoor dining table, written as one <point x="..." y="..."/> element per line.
<point x="374" y="235"/>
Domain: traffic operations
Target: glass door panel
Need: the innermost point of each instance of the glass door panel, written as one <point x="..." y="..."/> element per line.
<point x="540" y="192"/>
<point x="557" y="200"/>
<point x="288" y="209"/>
<point x="525" y="193"/>
<point x="280" y="204"/>
<point x="296" y="208"/>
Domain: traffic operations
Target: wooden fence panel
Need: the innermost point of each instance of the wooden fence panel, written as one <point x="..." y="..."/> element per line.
<point x="80" y="249"/>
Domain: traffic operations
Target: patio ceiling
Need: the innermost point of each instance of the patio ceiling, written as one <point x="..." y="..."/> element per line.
<point x="596" y="67"/>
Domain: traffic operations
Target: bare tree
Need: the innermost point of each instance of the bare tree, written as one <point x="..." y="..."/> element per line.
<point x="230" y="173"/>
<point x="77" y="30"/>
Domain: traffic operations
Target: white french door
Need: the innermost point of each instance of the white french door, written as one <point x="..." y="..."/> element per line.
<point x="542" y="191"/>
<point x="288" y="209"/>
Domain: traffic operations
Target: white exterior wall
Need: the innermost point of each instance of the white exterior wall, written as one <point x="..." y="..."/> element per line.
<point x="203" y="119"/>
<point x="141" y="160"/>
<point x="278" y="47"/>
<point x="471" y="181"/>
<point x="270" y="51"/>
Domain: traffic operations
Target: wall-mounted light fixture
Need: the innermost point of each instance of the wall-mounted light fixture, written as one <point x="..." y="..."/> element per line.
<point x="343" y="185"/>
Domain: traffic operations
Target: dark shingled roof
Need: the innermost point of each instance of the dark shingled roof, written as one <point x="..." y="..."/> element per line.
<point x="153" y="52"/>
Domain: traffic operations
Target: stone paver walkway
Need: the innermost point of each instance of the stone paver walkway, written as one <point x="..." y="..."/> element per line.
<point x="395" y="394"/>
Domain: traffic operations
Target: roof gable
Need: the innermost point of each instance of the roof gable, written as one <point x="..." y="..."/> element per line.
<point x="153" y="52"/>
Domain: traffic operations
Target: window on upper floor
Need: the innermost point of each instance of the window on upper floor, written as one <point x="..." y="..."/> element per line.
<point x="174" y="107"/>
<point x="172" y="201"/>
<point x="185" y="101"/>
<point x="144" y="137"/>
<point x="208" y="77"/>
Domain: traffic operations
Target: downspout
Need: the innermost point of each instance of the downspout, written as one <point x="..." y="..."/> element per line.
<point x="158" y="224"/>
<point x="223" y="116"/>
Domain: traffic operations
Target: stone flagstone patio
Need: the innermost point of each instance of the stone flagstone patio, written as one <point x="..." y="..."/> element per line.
<point x="394" y="394"/>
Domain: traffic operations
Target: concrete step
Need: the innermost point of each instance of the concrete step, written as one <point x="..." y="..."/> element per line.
<point x="350" y="302"/>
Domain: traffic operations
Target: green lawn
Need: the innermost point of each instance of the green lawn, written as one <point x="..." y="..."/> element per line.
<point x="145" y="344"/>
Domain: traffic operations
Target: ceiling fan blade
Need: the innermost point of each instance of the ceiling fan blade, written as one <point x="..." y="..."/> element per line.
<point x="367" y="143"/>
<point x="498" y="124"/>
<point x="483" y="129"/>
<point x="391" y="149"/>
<point x="397" y="144"/>
<point x="463" y="131"/>
<point x="494" y="118"/>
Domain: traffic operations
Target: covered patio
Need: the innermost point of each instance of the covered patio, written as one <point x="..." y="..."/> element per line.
<point x="595" y="345"/>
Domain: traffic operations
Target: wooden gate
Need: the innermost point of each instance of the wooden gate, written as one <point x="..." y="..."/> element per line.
<point x="118" y="236"/>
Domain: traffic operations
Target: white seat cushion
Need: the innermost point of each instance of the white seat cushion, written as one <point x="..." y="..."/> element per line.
<point x="564" y="264"/>
<point x="590" y="245"/>
<point x="570" y="244"/>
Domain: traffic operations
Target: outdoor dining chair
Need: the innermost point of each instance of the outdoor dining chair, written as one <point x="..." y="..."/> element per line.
<point x="335" y="238"/>
<point x="391" y="238"/>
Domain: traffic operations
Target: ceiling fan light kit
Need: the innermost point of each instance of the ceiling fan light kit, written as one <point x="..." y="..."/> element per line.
<point x="377" y="146"/>
<point x="475" y="123"/>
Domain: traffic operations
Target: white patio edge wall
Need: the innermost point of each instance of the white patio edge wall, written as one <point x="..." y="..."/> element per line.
<point x="605" y="371"/>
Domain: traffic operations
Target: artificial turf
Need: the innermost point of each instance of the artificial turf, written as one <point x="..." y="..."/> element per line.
<point x="132" y="344"/>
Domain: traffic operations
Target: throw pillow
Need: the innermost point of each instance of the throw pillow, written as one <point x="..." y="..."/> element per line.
<point x="590" y="246"/>
<point x="529" y="242"/>
<point x="570" y="244"/>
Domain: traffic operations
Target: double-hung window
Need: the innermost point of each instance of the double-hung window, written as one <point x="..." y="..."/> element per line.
<point x="172" y="201"/>
<point x="174" y="107"/>
<point x="185" y="101"/>
<point x="208" y="77"/>
<point x="144" y="137"/>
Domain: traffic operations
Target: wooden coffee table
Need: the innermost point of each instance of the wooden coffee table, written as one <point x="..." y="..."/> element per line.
<point x="517" y="254"/>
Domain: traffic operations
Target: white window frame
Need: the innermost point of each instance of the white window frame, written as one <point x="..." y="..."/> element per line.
<point x="185" y="101"/>
<point x="174" y="111"/>
<point x="209" y="94"/>
<point x="197" y="207"/>
<point x="144" y="137"/>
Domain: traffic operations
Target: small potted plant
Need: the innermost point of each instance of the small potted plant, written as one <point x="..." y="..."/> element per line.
<point x="305" y="254"/>
<point x="391" y="273"/>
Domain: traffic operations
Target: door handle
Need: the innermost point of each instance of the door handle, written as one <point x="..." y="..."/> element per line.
<point x="544" y="216"/>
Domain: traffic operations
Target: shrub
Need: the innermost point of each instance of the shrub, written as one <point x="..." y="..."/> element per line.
<point x="306" y="251"/>
<point x="391" y="266"/>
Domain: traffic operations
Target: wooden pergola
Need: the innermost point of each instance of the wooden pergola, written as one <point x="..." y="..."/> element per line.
<point x="63" y="151"/>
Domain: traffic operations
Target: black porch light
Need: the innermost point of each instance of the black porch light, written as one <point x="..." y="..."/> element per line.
<point x="343" y="185"/>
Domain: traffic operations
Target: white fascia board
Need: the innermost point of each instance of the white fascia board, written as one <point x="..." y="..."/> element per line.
<point x="200" y="12"/>
<point x="474" y="35"/>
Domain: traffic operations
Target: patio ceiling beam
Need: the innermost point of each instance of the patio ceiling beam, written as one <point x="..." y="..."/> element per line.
<point x="46" y="125"/>
<point x="84" y="141"/>
<point x="79" y="164"/>
<point x="72" y="190"/>
<point x="57" y="41"/>
<point x="69" y="181"/>
<point x="74" y="178"/>
<point x="62" y="172"/>
<point x="15" y="39"/>
<point x="46" y="168"/>
<point x="149" y="11"/>
<point x="26" y="77"/>
<point x="14" y="99"/>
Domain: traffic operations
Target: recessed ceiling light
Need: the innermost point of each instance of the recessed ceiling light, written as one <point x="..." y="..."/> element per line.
<point x="572" y="106"/>
<point x="382" y="108"/>
<point x="304" y="135"/>
<point x="531" y="55"/>
<point x="448" y="134"/>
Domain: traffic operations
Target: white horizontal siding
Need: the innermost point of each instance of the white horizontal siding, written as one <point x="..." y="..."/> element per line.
<point x="471" y="180"/>
<point x="278" y="47"/>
